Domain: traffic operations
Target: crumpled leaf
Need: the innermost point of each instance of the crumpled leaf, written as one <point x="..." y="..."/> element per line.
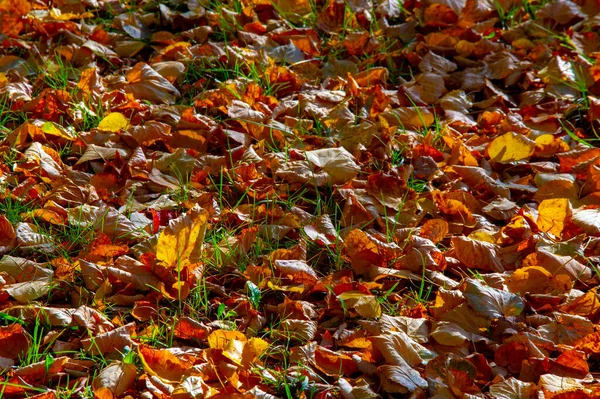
<point x="147" y="84"/>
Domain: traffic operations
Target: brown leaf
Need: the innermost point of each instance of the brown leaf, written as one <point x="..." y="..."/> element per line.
<point x="477" y="254"/>
<point x="115" y="340"/>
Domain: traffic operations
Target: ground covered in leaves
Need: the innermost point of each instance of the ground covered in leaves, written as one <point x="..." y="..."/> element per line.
<point x="299" y="199"/>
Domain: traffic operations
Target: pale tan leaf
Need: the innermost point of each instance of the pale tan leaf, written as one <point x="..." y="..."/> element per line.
<point x="118" y="377"/>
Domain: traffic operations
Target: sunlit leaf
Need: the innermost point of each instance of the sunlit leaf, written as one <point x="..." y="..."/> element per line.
<point x="588" y="220"/>
<point x="220" y="339"/>
<point x="553" y="214"/>
<point x="113" y="122"/>
<point x="163" y="364"/>
<point x="435" y="230"/>
<point x="512" y="388"/>
<point x="181" y="242"/>
<point x="365" y="305"/>
<point x="510" y="147"/>
<point x="537" y="280"/>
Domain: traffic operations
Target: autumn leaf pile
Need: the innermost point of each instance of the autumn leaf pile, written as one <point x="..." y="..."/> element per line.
<point x="300" y="199"/>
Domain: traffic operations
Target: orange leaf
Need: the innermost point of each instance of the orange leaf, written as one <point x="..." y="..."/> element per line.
<point x="219" y="339"/>
<point x="434" y="230"/>
<point x="13" y="341"/>
<point x="163" y="364"/>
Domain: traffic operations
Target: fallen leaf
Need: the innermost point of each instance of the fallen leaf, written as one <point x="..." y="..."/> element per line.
<point x="492" y="302"/>
<point x="365" y="305"/>
<point x="553" y="214"/>
<point x="117" y="378"/>
<point x="15" y="342"/>
<point x="434" y="230"/>
<point x="180" y="244"/>
<point x="588" y="220"/>
<point x="163" y="364"/>
<point x="400" y="379"/>
<point x="537" y="280"/>
<point x="113" y="122"/>
<point x="512" y="388"/>
<point x="145" y="83"/>
<point x="115" y="340"/>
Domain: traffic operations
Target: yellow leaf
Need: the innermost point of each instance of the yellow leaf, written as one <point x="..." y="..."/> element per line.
<point x="552" y="215"/>
<point x="482" y="235"/>
<point x="3" y="79"/>
<point x="220" y="339"/>
<point x="233" y="351"/>
<point x="56" y="14"/>
<point x="54" y="129"/>
<point x="252" y="351"/>
<point x="365" y="305"/>
<point x="180" y="244"/>
<point x="288" y="288"/>
<point x="586" y="305"/>
<point x="114" y="122"/>
<point x="510" y="147"/>
<point x="537" y="280"/>
<point x="548" y="145"/>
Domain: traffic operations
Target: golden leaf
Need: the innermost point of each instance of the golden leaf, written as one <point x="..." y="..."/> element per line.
<point x="254" y="348"/>
<point x="365" y="305"/>
<point x="180" y="243"/>
<point x="537" y="280"/>
<point x="510" y="147"/>
<point x="553" y="214"/>
<point x="113" y="122"/>
<point x="219" y="339"/>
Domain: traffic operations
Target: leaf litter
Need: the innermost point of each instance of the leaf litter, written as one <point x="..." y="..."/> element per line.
<point x="296" y="199"/>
